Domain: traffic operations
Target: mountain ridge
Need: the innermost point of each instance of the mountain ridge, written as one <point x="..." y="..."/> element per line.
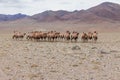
<point x="4" y="17"/>
<point x="106" y="11"/>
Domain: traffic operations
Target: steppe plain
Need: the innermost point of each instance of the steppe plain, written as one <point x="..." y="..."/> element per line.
<point x="30" y="60"/>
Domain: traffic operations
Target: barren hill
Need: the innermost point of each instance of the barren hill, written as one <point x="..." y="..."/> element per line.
<point x="4" y="17"/>
<point x="50" y="15"/>
<point x="106" y="11"/>
<point x="103" y="17"/>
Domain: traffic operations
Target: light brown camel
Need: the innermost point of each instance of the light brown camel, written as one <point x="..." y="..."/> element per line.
<point x="74" y="36"/>
<point x="84" y="37"/>
<point x="95" y="36"/>
<point x="67" y="35"/>
<point x="18" y="35"/>
<point x="90" y="35"/>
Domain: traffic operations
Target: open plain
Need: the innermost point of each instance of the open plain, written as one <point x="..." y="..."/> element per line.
<point x="31" y="60"/>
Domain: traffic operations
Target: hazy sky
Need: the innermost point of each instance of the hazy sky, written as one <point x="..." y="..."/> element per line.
<point x="31" y="7"/>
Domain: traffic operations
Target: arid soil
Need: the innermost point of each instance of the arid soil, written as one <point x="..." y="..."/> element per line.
<point x="30" y="60"/>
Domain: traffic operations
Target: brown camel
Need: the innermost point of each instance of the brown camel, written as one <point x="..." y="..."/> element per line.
<point x="67" y="35"/>
<point x="74" y="36"/>
<point x="90" y="35"/>
<point x="84" y="37"/>
<point x="51" y="36"/>
<point x="95" y="36"/>
<point x="29" y="36"/>
<point x="18" y="35"/>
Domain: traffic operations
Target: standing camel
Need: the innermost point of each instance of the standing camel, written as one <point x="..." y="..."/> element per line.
<point x="67" y="35"/>
<point x="95" y="36"/>
<point x="90" y="35"/>
<point x="18" y="35"/>
<point x="74" y="36"/>
<point x="84" y="37"/>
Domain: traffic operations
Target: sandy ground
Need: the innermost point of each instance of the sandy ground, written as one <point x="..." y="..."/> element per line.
<point x="26" y="60"/>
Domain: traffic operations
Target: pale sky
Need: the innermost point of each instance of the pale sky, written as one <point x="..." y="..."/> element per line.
<point x="31" y="7"/>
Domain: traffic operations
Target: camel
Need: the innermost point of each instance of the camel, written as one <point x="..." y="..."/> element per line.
<point x="51" y="36"/>
<point x="57" y="35"/>
<point x="67" y="35"/>
<point x="29" y="36"/>
<point x="44" y="36"/>
<point x="95" y="36"/>
<point x="74" y="36"/>
<point x="18" y="35"/>
<point x="84" y="37"/>
<point x="37" y="35"/>
<point x="54" y="35"/>
<point x="61" y="36"/>
<point x="90" y="35"/>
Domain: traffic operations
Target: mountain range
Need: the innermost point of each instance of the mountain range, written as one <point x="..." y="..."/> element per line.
<point x="106" y="11"/>
<point x="104" y="17"/>
<point x="4" y="17"/>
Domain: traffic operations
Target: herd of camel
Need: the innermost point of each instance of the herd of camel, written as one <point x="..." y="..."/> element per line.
<point x="56" y="36"/>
